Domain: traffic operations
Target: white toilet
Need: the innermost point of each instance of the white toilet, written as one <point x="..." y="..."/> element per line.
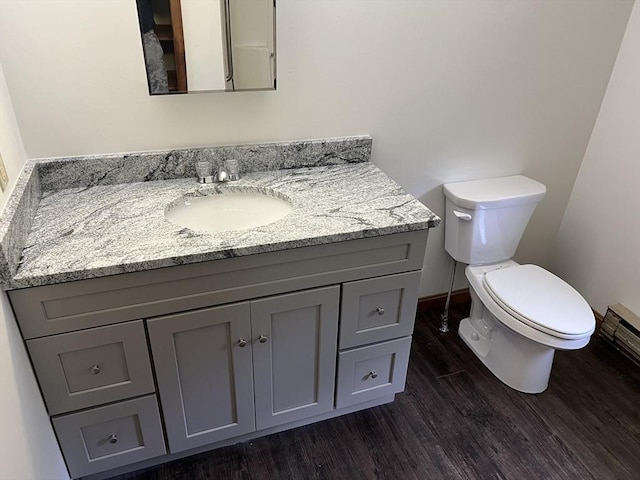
<point x="520" y="314"/>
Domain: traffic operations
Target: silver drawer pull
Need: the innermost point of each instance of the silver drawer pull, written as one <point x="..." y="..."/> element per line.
<point x="242" y="342"/>
<point x="380" y="310"/>
<point x="373" y="374"/>
<point x="113" y="438"/>
<point x="94" y="370"/>
<point x="262" y="339"/>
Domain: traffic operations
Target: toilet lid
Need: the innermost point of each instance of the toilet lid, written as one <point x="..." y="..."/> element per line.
<point x="541" y="300"/>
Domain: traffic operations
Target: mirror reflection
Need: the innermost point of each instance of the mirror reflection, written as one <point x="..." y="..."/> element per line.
<point x="208" y="45"/>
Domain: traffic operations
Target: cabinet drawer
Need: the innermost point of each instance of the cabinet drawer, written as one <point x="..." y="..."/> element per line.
<point x="378" y="309"/>
<point x="90" y="367"/>
<point x="371" y="372"/>
<point x="107" y="437"/>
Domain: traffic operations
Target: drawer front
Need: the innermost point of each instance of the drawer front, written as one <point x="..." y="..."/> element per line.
<point x="91" y="367"/>
<point x="107" y="437"/>
<point x="371" y="372"/>
<point x="378" y="309"/>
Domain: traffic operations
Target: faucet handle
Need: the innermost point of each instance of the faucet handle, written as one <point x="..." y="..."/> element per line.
<point x="203" y="170"/>
<point x="232" y="168"/>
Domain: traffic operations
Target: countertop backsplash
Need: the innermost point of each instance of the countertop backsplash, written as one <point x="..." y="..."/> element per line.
<point x="72" y="172"/>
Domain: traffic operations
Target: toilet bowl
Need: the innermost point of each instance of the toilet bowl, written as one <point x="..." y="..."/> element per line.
<point x="520" y="314"/>
<point x="519" y="318"/>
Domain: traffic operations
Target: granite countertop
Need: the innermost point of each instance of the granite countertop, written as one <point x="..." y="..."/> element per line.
<point x="92" y="231"/>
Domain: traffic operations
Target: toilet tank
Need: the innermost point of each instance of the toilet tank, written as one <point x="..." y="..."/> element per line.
<point x="485" y="219"/>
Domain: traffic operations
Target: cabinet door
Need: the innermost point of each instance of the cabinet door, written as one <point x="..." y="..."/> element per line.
<point x="294" y="352"/>
<point x="203" y="368"/>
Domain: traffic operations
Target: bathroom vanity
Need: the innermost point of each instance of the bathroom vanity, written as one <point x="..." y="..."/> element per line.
<point x="152" y="342"/>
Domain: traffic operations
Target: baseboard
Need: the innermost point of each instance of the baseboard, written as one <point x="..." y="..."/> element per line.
<point x="438" y="301"/>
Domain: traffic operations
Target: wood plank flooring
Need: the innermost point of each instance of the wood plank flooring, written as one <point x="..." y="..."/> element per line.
<point x="456" y="421"/>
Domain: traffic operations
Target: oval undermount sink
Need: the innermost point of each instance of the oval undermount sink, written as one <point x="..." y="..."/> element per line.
<point x="219" y="212"/>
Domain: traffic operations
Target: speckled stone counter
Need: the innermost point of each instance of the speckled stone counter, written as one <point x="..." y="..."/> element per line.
<point x="103" y="221"/>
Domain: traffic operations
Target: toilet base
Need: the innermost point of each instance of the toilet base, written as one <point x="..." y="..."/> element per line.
<point x="516" y="361"/>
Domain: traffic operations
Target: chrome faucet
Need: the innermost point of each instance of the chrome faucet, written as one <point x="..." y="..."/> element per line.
<point x="222" y="175"/>
<point x="229" y="172"/>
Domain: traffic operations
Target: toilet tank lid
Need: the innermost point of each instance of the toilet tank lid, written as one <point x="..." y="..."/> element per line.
<point x="495" y="192"/>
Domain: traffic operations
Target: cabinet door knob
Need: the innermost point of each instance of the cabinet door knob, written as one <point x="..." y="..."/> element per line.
<point x="373" y="374"/>
<point x="380" y="310"/>
<point x="242" y="342"/>
<point x="262" y="339"/>
<point x="94" y="370"/>
<point x="113" y="438"/>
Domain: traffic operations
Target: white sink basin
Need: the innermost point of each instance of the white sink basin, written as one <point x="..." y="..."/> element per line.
<point x="219" y="212"/>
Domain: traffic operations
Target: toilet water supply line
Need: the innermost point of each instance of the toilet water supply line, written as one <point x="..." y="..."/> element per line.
<point x="444" y="325"/>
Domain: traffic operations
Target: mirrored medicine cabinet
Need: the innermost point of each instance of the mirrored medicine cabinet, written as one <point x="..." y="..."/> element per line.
<point x="208" y="45"/>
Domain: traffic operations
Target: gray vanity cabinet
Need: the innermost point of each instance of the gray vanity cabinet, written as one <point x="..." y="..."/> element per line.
<point x="239" y="348"/>
<point x="226" y="371"/>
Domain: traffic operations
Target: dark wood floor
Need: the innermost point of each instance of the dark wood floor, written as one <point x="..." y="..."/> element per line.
<point x="456" y="421"/>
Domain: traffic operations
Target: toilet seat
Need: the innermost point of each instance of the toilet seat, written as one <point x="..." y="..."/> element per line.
<point x="540" y="300"/>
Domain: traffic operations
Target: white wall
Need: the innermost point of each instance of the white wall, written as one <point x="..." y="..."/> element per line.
<point x="449" y="90"/>
<point x="598" y="246"/>
<point x="28" y="448"/>
<point x="11" y="147"/>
